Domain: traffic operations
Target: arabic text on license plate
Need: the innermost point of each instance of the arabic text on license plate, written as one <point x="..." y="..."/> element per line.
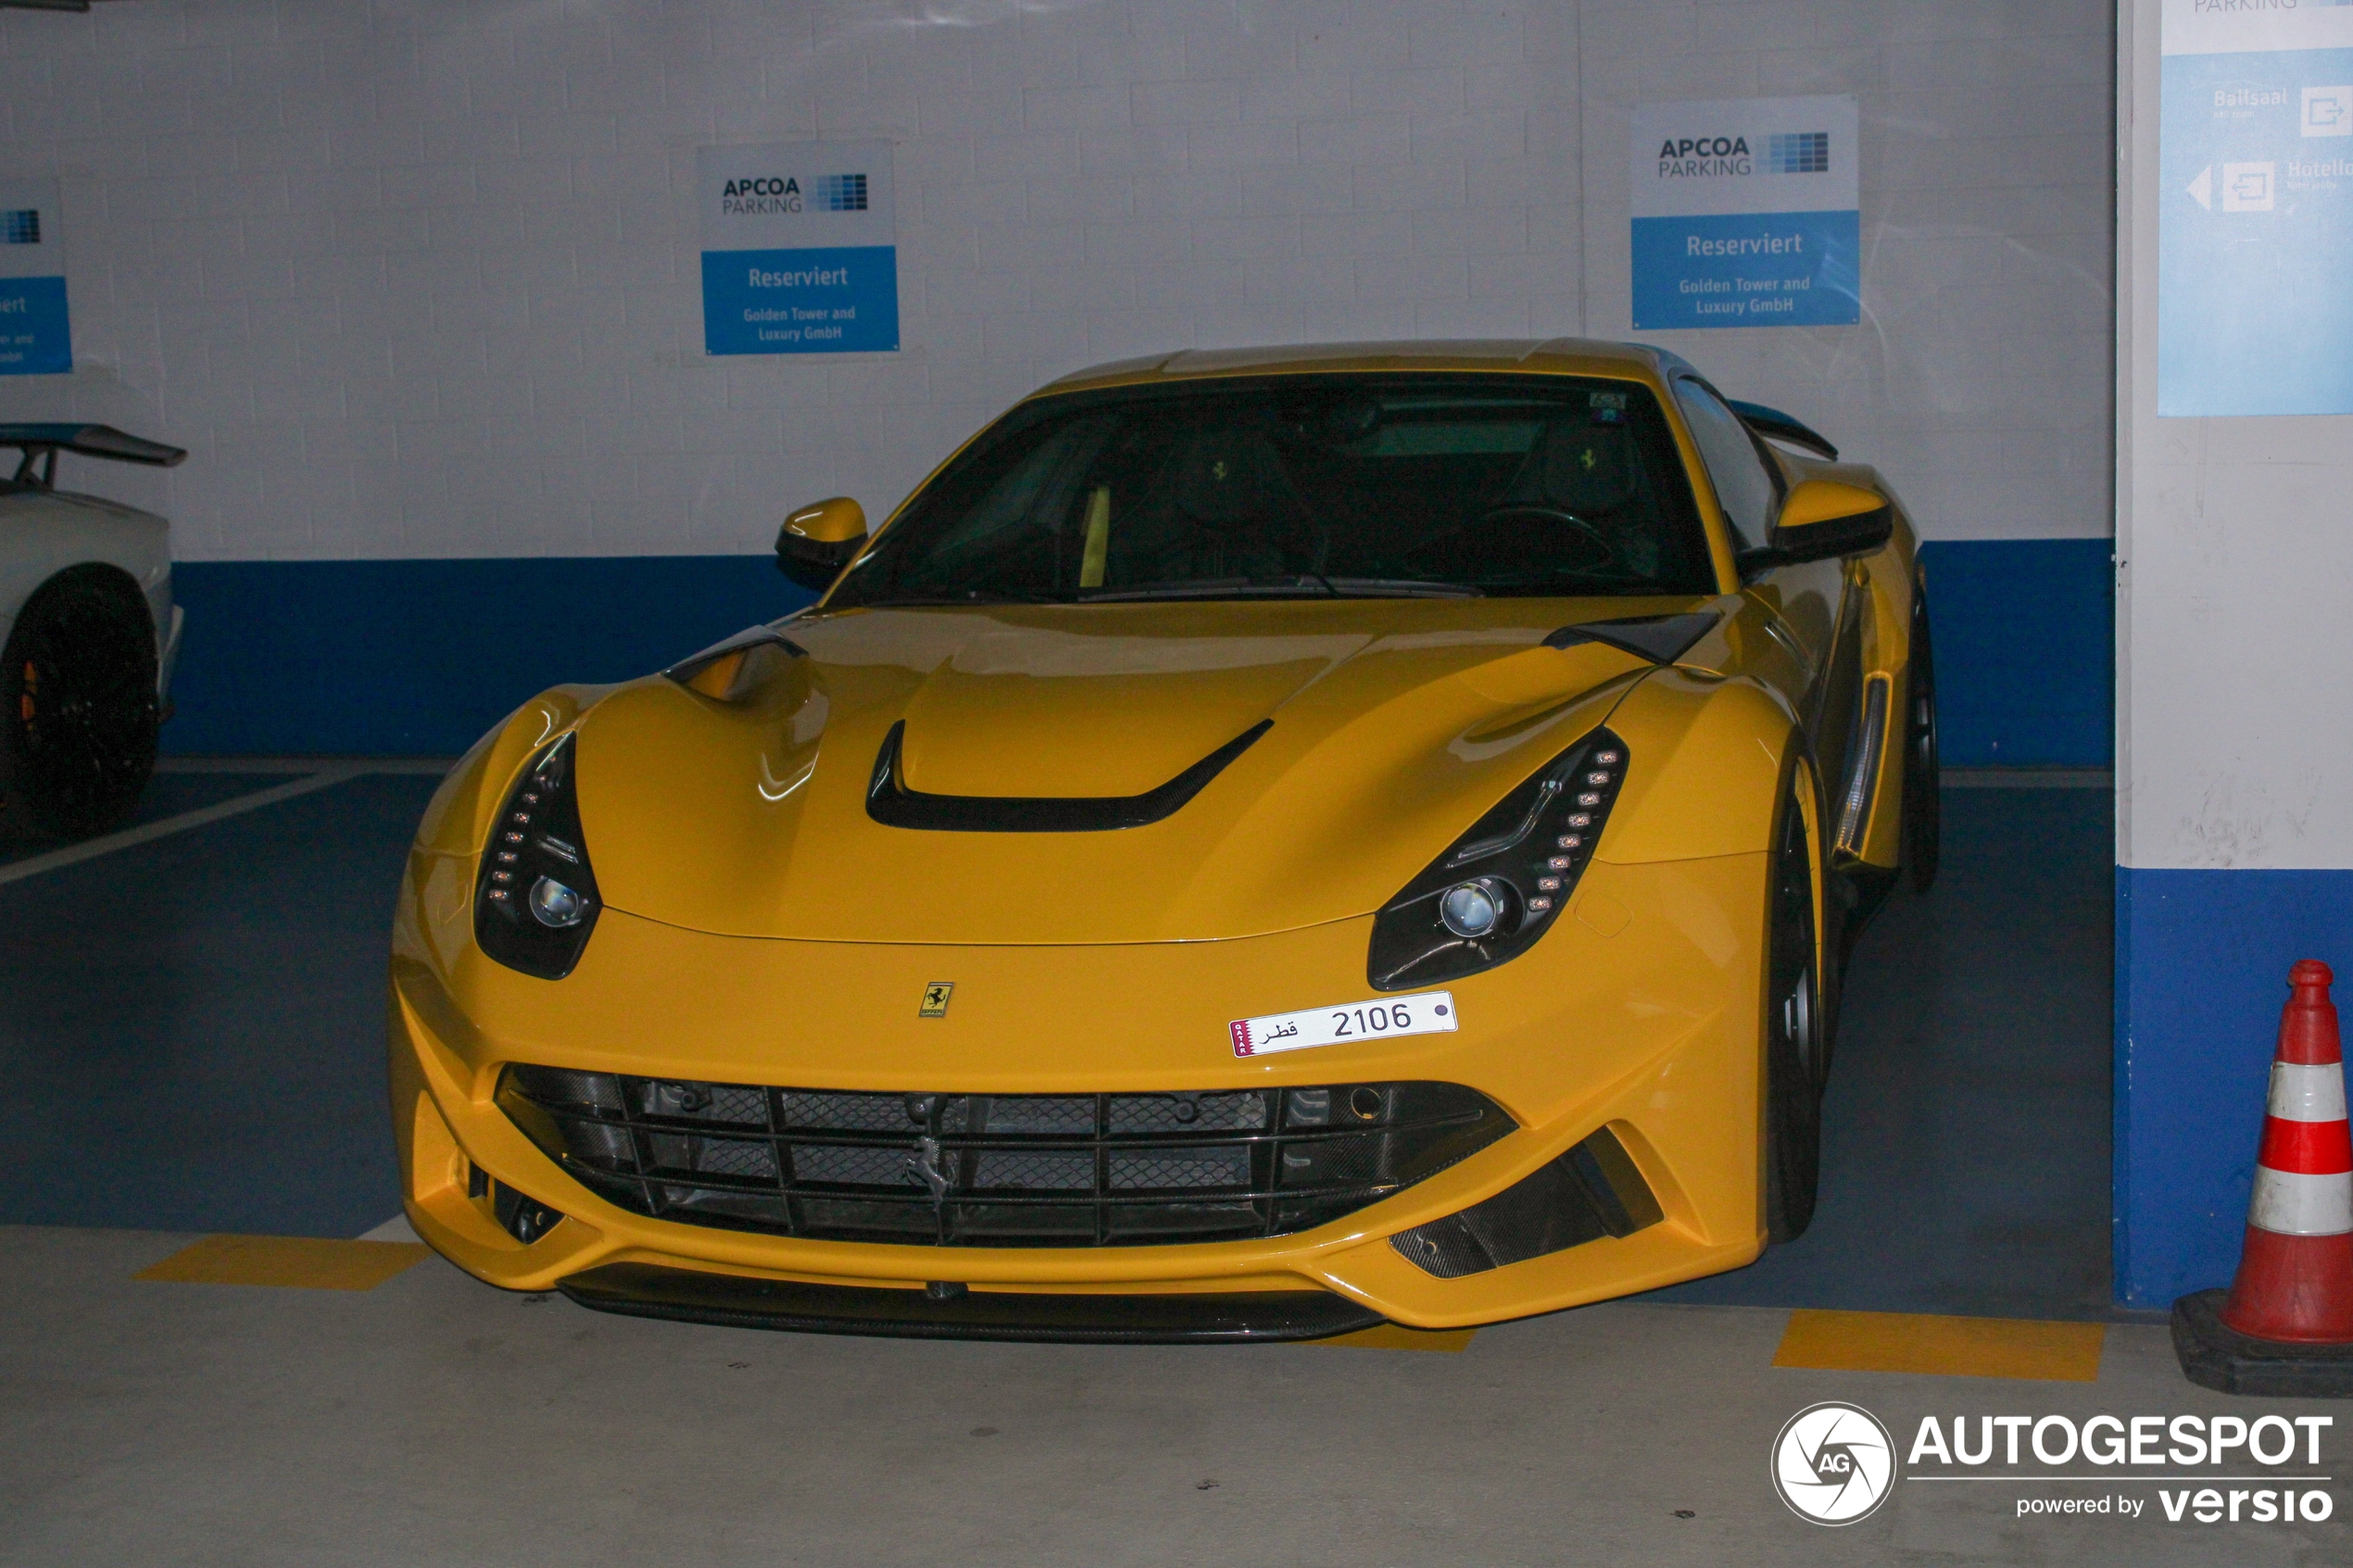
<point x="1430" y="1013"/>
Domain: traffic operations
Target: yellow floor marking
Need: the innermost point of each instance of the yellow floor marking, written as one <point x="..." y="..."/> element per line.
<point x="2054" y="1352"/>
<point x="308" y="1262"/>
<point x="1396" y="1336"/>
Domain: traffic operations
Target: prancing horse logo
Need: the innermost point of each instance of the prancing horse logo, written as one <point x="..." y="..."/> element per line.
<point x="935" y="997"/>
<point x="924" y="1160"/>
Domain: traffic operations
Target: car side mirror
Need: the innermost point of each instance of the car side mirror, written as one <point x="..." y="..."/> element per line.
<point x="817" y="542"/>
<point x="1824" y="520"/>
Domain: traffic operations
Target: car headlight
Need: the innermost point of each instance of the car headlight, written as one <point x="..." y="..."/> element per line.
<point x="1500" y="885"/>
<point x="535" y="901"/>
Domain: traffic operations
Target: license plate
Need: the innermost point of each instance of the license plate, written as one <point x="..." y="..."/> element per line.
<point x="1430" y="1013"/>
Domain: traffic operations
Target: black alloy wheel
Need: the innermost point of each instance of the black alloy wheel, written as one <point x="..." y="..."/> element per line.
<point x="1796" y="1027"/>
<point x="78" y="713"/>
<point x="1923" y="813"/>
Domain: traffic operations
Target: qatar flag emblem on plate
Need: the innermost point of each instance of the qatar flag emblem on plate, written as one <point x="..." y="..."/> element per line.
<point x="1429" y="1012"/>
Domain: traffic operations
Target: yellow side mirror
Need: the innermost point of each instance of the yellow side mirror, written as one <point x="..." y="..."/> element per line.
<point x="1822" y="520"/>
<point x="1825" y="500"/>
<point x="817" y="541"/>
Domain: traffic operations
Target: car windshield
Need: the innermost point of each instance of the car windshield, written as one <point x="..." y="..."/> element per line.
<point x="1344" y="486"/>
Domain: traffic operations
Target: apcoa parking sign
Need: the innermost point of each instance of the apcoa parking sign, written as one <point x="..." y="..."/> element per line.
<point x="35" y="338"/>
<point x="1745" y="214"/>
<point x="801" y="249"/>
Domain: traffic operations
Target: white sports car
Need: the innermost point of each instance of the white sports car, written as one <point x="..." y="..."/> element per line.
<point x="90" y="631"/>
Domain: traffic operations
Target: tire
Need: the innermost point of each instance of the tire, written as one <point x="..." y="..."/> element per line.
<point x="78" y="713"/>
<point x="1796" y="1021"/>
<point x="1924" y="815"/>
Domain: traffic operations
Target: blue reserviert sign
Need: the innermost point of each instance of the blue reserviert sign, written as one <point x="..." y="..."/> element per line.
<point x="35" y="338"/>
<point x="1748" y="270"/>
<point x="834" y="300"/>
<point x="1744" y="214"/>
<point x="800" y="248"/>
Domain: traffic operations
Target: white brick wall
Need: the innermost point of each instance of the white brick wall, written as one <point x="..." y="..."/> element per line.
<point x="420" y="279"/>
<point x="1980" y="378"/>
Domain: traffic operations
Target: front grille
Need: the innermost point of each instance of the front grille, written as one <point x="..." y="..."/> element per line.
<point x="996" y="1170"/>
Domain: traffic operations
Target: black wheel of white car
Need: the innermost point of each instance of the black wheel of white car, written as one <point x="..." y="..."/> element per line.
<point x="1923" y="802"/>
<point x="1796" y="1024"/>
<point x="78" y="712"/>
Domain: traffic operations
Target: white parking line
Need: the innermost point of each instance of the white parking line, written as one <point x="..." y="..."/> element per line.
<point x="90" y="849"/>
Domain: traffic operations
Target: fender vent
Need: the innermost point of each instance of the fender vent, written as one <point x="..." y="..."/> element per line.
<point x="1590" y="1192"/>
<point x="1862" y="778"/>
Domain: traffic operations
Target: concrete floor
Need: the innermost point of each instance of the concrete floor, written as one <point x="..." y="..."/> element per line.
<point x="192" y="1039"/>
<point x="194" y="1030"/>
<point x="435" y="1421"/>
<point x="1965" y="1136"/>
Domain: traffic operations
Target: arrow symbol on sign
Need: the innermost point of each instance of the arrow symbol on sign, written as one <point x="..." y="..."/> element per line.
<point x="2202" y="188"/>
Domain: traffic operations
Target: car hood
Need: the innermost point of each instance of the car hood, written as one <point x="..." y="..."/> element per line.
<point x="1382" y="730"/>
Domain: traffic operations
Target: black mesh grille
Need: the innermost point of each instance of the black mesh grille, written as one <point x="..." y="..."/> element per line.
<point x="996" y="1171"/>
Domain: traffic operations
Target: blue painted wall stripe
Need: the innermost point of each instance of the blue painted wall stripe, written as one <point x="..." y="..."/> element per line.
<point x="2201" y="970"/>
<point x="2025" y="634"/>
<point x="419" y="656"/>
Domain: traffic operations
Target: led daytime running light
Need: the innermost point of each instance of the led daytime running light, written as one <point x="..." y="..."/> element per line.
<point x="537" y="901"/>
<point x="1502" y="885"/>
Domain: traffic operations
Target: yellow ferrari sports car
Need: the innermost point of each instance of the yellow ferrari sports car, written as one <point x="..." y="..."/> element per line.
<point x="1259" y="844"/>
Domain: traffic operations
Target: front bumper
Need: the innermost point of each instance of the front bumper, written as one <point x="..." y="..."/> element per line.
<point x="1641" y="1014"/>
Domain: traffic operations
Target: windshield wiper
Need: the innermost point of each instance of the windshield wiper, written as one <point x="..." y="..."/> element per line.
<point x="962" y="596"/>
<point x="1402" y="588"/>
<point x="1289" y="586"/>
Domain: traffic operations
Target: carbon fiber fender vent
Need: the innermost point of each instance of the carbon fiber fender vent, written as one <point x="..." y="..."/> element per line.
<point x="1590" y="1192"/>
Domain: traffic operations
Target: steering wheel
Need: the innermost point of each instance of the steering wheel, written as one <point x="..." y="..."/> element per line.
<point x="1285" y="540"/>
<point x="1511" y="512"/>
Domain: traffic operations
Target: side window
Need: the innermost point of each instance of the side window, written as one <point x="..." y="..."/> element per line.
<point x="1744" y="487"/>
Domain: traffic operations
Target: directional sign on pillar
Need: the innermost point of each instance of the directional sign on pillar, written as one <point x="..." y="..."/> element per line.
<point x="2256" y="142"/>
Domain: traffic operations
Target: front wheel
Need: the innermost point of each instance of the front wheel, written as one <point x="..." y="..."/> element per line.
<point x="1796" y="1027"/>
<point x="78" y="711"/>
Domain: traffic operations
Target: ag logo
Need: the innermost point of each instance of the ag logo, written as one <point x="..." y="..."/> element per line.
<point x="935" y="997"/>
<point x="1833" y="1463"/>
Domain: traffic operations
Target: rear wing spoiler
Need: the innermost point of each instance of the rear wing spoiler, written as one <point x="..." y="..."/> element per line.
<point x="41" y="445"/>
<point x="1775" y="425"/>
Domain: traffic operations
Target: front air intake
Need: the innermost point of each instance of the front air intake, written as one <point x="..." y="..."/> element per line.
<point x="1590" y="1192"/>
<point x="966" y="1169"/>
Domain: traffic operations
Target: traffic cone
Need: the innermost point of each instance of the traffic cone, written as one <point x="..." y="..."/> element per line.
<point x="2285" y="1327"/>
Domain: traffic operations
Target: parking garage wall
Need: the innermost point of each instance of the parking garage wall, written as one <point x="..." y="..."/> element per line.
<point x="2234" y="826"/>
<point x="418" y="287"/>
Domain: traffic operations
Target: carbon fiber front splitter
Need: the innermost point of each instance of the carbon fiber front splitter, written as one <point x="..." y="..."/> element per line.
<point x="732" y="1301"/>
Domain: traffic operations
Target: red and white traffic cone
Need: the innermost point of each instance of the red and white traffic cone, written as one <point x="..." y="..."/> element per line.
<point x="2285" y="1327"/>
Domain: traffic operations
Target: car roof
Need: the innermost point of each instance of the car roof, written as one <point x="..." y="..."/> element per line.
<point x="1558" y="355"/>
